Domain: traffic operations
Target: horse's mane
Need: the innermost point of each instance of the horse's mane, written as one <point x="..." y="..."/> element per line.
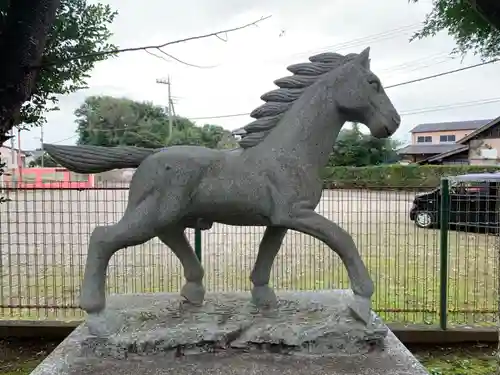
<point x="278" y="101"/>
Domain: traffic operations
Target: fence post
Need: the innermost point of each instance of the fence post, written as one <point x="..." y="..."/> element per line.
<point x="444" y="218"/>
<point x="197" y="243"/>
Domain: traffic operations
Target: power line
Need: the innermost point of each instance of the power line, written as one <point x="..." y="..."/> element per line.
<point x="450" y="106"/>
<point x="443" y="73"/>
<point x="373" y="38"/>
<point x="401" y="67"/>
<point x="385" y="35"/>
<point x="220" y="116"/>
<point x="65" y="139"/>
<point x="178" y="60"/>
<point x="423" y="110"/>
<point x="402" y="113"/>
<point x="416" y="61"/>
<point x="420" y="63"/>
<point x="387" y="87"/>
<point x="417" y="67"/>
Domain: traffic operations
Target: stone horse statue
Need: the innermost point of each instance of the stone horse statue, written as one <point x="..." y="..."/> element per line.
<point x="272" y="179"/>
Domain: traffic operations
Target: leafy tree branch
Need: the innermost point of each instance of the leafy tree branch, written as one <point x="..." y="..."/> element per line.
<point x="472" y="32"/>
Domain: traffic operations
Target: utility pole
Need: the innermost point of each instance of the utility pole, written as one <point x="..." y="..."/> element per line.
<point x="41" y="143"/>
<point x="19" y="158"/>
<point x="170" y="105"/>
<point x="12" y="149"/>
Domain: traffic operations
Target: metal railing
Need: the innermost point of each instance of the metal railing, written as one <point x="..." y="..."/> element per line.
<point x="430" y="276"/>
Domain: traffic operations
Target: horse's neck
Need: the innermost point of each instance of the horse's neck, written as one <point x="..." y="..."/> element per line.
<point x="307" y="132"/>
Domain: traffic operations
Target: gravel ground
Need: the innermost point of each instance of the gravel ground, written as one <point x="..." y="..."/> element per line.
<point x="44" y="240"/>
<point x="53" y="227"/>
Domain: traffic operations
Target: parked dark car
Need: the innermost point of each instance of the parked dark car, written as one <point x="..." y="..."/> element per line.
<point x="474" y="202"/>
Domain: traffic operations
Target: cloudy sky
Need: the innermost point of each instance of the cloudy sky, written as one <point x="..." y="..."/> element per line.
<point x="241" y="69"/>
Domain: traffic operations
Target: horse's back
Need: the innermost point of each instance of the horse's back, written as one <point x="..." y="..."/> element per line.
<point x="187" y="153"/>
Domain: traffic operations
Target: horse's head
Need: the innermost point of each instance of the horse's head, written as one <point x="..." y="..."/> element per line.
<point x="361" y="98"/>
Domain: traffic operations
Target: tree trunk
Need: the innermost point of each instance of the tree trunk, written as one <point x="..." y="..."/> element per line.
<point x="22" y="41"/>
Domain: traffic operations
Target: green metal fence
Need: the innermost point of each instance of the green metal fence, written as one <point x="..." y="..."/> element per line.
<point x="430" y="276"/>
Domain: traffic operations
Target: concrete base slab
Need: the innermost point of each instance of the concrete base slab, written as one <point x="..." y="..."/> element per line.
<point x="307" y="333"/>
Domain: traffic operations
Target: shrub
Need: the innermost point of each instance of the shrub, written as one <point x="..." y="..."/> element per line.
<point x="396" y="176"/>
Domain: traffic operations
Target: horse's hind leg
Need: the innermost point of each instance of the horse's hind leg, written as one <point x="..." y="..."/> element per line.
<point x="193" y="291"/>
<point x="269" y="247"/>
<point x="133" y="229"/>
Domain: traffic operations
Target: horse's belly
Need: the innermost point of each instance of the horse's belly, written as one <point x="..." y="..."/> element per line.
<point x="234" y="213"/>
<point x="233" y="203"/>
<point x="253" y="221"/>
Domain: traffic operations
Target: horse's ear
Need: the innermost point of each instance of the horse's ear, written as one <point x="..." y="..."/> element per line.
<point x="363" y="58"/>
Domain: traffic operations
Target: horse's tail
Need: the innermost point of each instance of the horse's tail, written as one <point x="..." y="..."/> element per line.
<point x="96" y="159"/>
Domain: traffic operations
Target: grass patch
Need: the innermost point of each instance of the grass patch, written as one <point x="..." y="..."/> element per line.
<point x="472" y="360"/>
<point x="21" y="357"/>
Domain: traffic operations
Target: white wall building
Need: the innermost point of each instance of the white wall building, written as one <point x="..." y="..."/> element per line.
<point x="10" y="156"/>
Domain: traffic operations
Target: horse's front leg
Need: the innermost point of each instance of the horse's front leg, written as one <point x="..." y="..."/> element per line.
<point x="262" y="294"/>
<point x="311" y="223"/>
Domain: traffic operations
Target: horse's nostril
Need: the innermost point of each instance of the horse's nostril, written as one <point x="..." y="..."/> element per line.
<point x="396" y="118"/>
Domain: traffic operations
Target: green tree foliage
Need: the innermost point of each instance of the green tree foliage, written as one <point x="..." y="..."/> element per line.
<point x="109" y="121"/>
<point x="80" y="29"/>
<point x="355" y="149"/>
<point x="397" y="176"/>
<point x="469" y="28"/>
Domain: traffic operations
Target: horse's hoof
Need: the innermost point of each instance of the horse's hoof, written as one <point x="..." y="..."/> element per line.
<point x="264" y="296"/>
<point x="98" y="325"/>
<point x="92" y="303"/>
<point x="194" y="293"/>
<point x="361" y="309"/>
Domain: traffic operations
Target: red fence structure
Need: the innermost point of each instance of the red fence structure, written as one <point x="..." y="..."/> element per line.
<point x="47" y="178"/>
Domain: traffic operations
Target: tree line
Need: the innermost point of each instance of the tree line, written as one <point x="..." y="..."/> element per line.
<point x="110" y="121"/>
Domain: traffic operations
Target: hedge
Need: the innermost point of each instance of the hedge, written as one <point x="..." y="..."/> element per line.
<point x="396" y="176"/>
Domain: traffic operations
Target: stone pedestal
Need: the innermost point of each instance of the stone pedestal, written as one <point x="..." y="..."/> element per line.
<point x="308" y="333"/>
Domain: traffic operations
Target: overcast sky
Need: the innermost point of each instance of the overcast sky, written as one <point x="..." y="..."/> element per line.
<point x="246" y="65"/>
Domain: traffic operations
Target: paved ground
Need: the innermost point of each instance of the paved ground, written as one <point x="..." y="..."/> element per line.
<point x="44" y="238"/>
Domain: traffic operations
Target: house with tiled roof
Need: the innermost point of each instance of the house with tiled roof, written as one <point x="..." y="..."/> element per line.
<point x="456" y="142"/>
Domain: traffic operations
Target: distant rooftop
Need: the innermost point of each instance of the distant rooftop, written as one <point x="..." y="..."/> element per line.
<point x="239" y="131"/>
<point x="34" y="153"/>
<point x="429" y="149"/>
<point x="451" y="125"/>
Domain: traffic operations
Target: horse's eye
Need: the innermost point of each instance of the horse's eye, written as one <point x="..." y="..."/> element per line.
<point x="376" y="84"/>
